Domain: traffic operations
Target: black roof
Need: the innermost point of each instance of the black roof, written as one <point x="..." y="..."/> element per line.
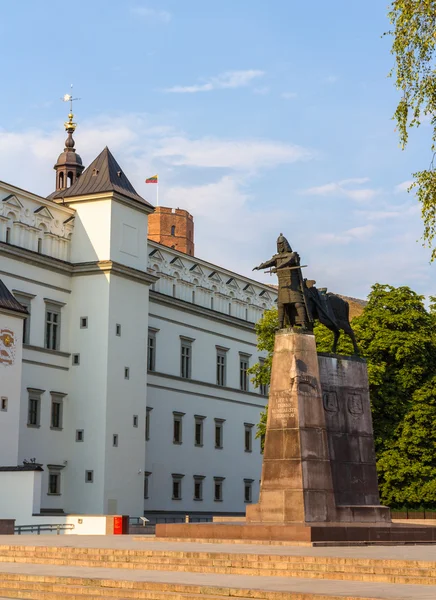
<point x="104" y="174"/>
<point x="26" y="467"/>
<point x="7" y="300"/>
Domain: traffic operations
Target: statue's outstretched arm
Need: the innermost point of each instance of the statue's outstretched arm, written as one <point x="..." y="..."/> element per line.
<point x="265" y="265"/>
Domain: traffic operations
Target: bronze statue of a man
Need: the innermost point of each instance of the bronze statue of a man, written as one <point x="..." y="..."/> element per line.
<point x="292" y="302"/>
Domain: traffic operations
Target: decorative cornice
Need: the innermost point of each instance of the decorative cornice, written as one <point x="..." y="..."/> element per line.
<point x="109" y="266"/>
<point x="36" y="259"/>
<point x="200" y="310"/>
<point x="34" y="197"/>
<point x="135" y="204"/>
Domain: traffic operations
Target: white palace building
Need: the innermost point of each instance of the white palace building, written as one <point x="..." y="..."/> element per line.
<point x="123" y="356"/>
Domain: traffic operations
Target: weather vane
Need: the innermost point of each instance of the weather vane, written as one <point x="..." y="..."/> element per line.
<point x="69" y="125"/>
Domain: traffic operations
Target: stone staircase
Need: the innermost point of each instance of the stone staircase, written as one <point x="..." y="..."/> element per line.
<point x="275" y="565"/>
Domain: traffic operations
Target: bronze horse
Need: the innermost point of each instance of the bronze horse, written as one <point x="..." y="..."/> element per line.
<point x="330" y="310"/>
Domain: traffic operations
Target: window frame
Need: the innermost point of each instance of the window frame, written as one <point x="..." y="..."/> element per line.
<point x="177" y="479"/>
<point x="248" y="485"/>
<point x="198" y="481"/>
<point x="54" y="471"/>
<point x="218" y="484"/>
<point x="78" y="432"/>
<point x="219" y="426"/>
<point x="178" y="418"/>
<point x="186" y="357"/>
<point x="221" y="369"/>
<point x="147" y="475"/>
<point x="57" y="398"/>
<point x="248" y="437"/>
<point x="147" y="422"/>
<point x="199" y="422"/>
<point x="89" y="472"/>
<point x="151" y="349"/>
<point x="244" y="365"/>
<point x="53" y="326"/>
<point x="34" y="395"/>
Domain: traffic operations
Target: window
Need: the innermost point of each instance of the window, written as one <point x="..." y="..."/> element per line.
<point x="54" y="479"/>
<point x="219" y="423"/>
<point x="135" y="420"/>
<point x="198" y="433"/>
<point x="151" y="349"/>
<point x="146" y="484"/>
<point x="8" y="235"/>
<point x="147" y="423"/>
<point x="218" y="489"/>
<point x="52" y="326"/>
<point x="76" y="359"/>
<point x="126" y="373"/>
<point x="248" y="483"/>
<point x="248" y="437"/>
<point x="25" y="300"/>
<point x="34" y="407"/>
<point x="83" y="322"/>
<point x="89" y="476"/>
<point x="115" y="440"/>
<point x="4" y="404"/>
<point x="173" y="230"/>
<point x="56" y="411"/>
<point x="243" y="368"/>
<point x="177" y="427"/>
<point x="177" y="486"/>
<point x="185" y="357"/>
<point x="198" y="487"/>
<point x="118" y="329"/>
<point x="221" y="365"/>
<point x="80" y="435"/>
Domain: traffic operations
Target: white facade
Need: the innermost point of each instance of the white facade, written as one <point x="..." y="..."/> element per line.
<point x="99" y="295"/>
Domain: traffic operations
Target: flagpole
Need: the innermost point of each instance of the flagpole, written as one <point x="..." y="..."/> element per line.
<point x="157" y="193"/>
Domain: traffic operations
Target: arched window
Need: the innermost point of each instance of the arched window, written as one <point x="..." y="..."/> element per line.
<point x="173" y="230"/>
<point x="70" y="177"/>
<point x="61" y="180"/>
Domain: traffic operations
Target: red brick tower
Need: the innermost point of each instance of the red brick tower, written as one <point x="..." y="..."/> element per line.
<point x="172" y="227"/>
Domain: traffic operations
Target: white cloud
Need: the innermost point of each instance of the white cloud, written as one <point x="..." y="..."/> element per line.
<point x="151" y="14"/>
<point x="288" y="95"/>
<point x="403" y="187"/>
<point x="355" y="234"/>
<point x="233" y="154"/>
<point x="390" y="212"/>
<point x="343" y="188"/>
<point x="227" y="80"/>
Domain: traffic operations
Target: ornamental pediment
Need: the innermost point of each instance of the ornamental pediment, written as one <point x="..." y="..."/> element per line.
<point x="215" y="277"/>
<point x="196" y="269"/>
<point x="176" y="262"/>
<point x="233" y="283"/>
<point x="12" y="200"/>
<point x="265" y="295"/>
<point x="156" y="254"/>
<point x="43" y="212"/>
<point x="249" y="289"/>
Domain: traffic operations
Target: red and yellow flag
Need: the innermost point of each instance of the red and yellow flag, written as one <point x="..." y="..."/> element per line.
<point x="152" y="179"/>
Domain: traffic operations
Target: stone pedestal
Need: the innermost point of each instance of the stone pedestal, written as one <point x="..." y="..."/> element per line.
<point x="319" y="461"/>
<point x="297" y="481"/>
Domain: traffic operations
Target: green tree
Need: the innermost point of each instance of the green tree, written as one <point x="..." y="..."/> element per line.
<point x="395" y="335"/>
<point x="407" y="470"/>
<point x="414" y="42"/>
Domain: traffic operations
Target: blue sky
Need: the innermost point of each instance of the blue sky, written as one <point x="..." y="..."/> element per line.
<point x="259" y="117"/>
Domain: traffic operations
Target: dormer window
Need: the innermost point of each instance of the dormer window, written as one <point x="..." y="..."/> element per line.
<point x="119" y="173"/>
<point x="94" y="172"/>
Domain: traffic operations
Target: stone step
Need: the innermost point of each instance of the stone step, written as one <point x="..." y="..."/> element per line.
<point x="389" y="571"/>
<point x="52" y="588"/>
<point x="415" y="575"/>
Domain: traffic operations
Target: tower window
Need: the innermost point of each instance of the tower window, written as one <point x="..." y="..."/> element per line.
<point x="70" y="178"/>
<point x="61" y="181"/>
<point x="173" y="230"/>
